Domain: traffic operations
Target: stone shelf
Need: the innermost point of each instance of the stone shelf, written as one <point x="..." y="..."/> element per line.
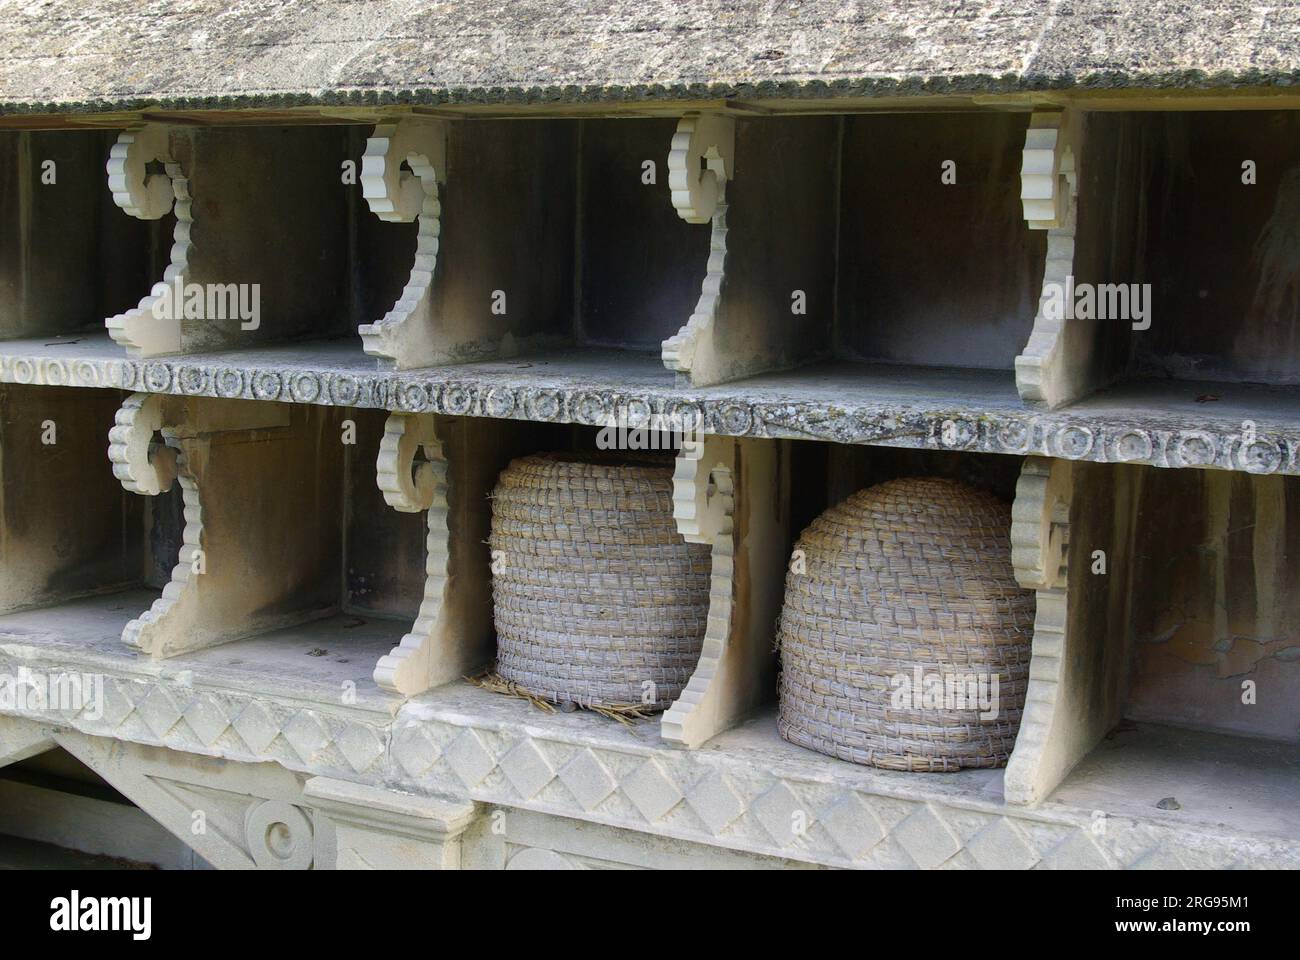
<point x="1215" y="779"/>
<point x="313" y="662"/>
<point x="1166" y="423"/>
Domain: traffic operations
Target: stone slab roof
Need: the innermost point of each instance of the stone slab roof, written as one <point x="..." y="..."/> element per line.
<point x="74" y="55"/>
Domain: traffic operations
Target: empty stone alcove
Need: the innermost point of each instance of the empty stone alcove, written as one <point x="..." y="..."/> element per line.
<point x="262" y="228"/>
<point x="74" y="538"/>
<point x="68" y="258"/>
<point x="1203" y="207"/>
<point x="566" y="240"/>
<point x="1165" y="670"/>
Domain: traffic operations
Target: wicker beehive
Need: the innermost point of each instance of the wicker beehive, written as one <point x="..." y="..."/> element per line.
<point x="912" y="573"/>
<point x="594" y="591"/>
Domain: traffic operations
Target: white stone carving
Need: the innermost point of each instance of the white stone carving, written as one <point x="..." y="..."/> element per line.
<point x="251" y="813"/>
<point x="180" y="619"/>
<point x="1047" y="174"/>
<point x="744" y="802"/>
<point x="407" y="334"/>
<point x="143" y="194"/>
<point x="279" y="836"/>
<point x="704" y="508"/>
<point x="701" y="160"/>
<point x="1040" y="519"/>
<point x="411" y="487"/>
<point x="148" y="469"/>
<point x="149" y="196"/>
<point x="449" y="751"/>
<point x="689" y="351"/>
<point x="141" y="465"/>
<point x="1055" y="365"/>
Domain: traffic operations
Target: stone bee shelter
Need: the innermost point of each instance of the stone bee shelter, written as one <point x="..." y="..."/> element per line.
<point x="245" y="566"/>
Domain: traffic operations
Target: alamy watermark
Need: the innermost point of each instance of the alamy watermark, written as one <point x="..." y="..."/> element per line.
<point x="77" y="914"/>
<point x="946" y="691"/>
<point x="69" y="693"/>
<point x="653" y="432"/>
<point x="208" y="301"/>
<point x="1101" y="301"/>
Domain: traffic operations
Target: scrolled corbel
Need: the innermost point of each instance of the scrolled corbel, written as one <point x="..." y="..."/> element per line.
<point x="701" y="161"/>
<point x="1046" y="746"/>
<point x="395" y="194"/>
<point x="142" y="191"/>
<point x="704" y="506"/>
<point x="149" y="194"/>
<point x="410" y="485"/>
<point x="1056" y="365"/>
<point x="1040" y="520"/>
<point x="147" y="468"/>
<point x="1047" y="173"/>
<point x="141" y="465"/>
<point x="194" y="610"/>
<point x="406" y="335"/>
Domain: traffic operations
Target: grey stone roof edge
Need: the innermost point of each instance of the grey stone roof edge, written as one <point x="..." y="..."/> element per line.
<point x="90" y="56"/>
<point x="617" y="94"/>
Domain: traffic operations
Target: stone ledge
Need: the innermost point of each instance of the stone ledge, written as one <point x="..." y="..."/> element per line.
<point x="1160" y="424"/>
<point x="746" y="790"/>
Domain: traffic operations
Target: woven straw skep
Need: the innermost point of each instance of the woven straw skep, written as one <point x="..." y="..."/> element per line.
<point x="912" y="573"/>
<point x="596" y="592"/>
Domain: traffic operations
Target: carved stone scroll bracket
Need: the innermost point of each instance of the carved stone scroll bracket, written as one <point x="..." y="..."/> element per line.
<point x="700" y="163"/>
<point x="701" y="160"/>
<point x="1047" y="174"/>
<point x="153" y="327"/>
<point x="410" y="486"/>
<point x="1047" y="745"/>
<point x="407" y="335"/>
<point x="704" y="505"/>
<point x="143" y="465"/>
<point x="148" y="467"/>
<point x="1056" y="365"/>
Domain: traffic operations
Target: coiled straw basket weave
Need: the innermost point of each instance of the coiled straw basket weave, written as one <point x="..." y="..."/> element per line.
<point x="913" y="573"/>
<point x="596" y="592"/>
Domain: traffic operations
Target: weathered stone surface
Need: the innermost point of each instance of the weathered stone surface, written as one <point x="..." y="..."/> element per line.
<point x="1161" y="424"/>
<point x="93" y="56"/>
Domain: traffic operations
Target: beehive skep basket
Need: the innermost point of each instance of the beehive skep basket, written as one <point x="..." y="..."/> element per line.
<point x="597" y="599"/>
<point x="908" y="578"/>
